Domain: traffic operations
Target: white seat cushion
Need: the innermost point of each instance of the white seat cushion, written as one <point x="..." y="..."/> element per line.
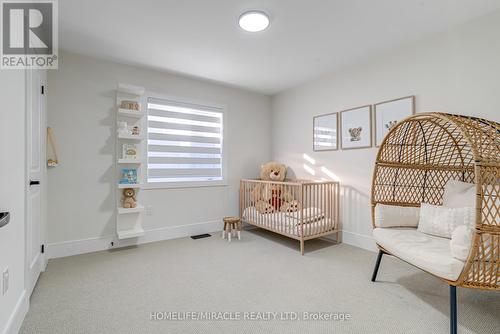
<point x="430" y="253"/>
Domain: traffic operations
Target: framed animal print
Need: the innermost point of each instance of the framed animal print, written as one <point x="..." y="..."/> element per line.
<point x="325" y="132"/>
<point x="389" y="113"/>
<point x="356" y="128"/>
<point x="129" y="151"/>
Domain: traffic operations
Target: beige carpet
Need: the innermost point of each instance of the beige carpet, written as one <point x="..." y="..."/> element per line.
<point x="116" y="291"/>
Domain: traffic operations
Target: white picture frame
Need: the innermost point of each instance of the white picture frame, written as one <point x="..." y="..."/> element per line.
<point x="356" y="128"/>
<point x="129" y="151"/>
<point x="389" y="113"/>
<point x="326" y="132"/>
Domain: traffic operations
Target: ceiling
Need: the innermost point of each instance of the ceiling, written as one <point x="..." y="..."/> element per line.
<point x="306" y="38"/>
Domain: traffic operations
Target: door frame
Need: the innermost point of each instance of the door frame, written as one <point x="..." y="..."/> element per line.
<point x="43" y="176"/>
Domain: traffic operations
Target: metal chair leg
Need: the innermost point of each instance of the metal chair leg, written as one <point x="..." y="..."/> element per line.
<point x="453" y="310"/>
<point x="377" y="265"/>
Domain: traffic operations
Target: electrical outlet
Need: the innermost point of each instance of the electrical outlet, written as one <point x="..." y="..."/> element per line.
<point x="149" y="210"/>
<point x="5" y="281"/>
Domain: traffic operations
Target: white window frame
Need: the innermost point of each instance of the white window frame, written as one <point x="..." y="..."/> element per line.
<point x="187" y="184"/>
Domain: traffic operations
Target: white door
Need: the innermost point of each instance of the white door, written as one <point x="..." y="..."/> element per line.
<point x="35" y="118"/>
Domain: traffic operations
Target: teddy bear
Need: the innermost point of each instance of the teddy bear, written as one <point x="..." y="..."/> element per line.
<point x="129" y="200"/>
<point x="292" y="206"/>
<point x="269" y="198"/>
<point x="264" y="207"/>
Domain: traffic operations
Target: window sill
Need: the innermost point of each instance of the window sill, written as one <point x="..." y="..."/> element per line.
<point x="180" y="185"/>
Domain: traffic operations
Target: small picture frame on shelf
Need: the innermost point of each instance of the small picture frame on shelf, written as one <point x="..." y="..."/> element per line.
<point x="129" y="151"/>
<point x="389" y="113"/>
<point x="325" y="132"/>
<point x="128" y="176"/>
<point x="356" y="128"/>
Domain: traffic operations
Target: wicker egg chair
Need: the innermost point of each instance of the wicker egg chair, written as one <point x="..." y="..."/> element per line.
<point x="415" y="161"/>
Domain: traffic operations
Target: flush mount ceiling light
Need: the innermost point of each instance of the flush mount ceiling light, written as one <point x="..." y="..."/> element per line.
<point x="254" y="21"/>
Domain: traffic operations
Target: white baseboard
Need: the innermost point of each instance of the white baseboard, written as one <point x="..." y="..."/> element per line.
<point x="17" y="317"/>
<point x="359" y="240"/>
<point x="82" y="246"/>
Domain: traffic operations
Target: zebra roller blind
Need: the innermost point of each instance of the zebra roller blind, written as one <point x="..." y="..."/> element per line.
<point x="184" y="142"/>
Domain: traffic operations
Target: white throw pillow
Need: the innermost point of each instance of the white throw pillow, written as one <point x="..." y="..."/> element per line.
<point x="461" y="242"/>
<point x="396" y="216"/>
<point x="458" y="194"/>
<point x="442" y="221"/>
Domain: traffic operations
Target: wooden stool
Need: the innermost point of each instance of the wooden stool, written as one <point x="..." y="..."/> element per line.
<point x="231" y="224"/>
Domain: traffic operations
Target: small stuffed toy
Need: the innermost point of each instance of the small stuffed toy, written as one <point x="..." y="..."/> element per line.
<point x="269" y="198"/>
<point x="129" y="200"/>
<point x="131" y="105"/>
<point x="292" y="206"/>
<point x="264" y="207"/>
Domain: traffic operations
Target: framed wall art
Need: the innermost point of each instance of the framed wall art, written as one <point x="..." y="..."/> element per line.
<point x="325" y="132"/>
<point x="389" y="113"/>
<point x="128" y="176"/>
<point x="356" y="128"/>
<point x="129" y="151"/>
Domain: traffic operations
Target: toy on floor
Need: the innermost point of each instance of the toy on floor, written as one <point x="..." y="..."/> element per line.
<point x="129" y="200"/>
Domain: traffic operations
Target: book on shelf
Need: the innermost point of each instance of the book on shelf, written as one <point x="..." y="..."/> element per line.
<point x="128" y="176"/>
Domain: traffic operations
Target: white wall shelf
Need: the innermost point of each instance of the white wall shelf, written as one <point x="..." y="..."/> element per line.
<point x="131" y="137"/>
<point x="137" y="209"/>
<point x="124" y="185"/>
<point x="130" y="113"/>
<point x="130" y="161"/>
<point x="129" y="220"/>
<point x="131" y="233"/>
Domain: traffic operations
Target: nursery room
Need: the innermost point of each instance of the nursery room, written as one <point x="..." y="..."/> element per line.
<point x="250" y="166"/>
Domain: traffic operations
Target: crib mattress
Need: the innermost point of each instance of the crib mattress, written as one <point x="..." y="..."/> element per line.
<point x="289" y="223"/>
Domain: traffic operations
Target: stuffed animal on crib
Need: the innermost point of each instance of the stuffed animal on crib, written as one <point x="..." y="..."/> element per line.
<point x="269" y="198"/>
<point x="292" y="206"/>
<point x="129" y="200"/>
<point x="276" y="200"/>
<point x="264" y="207"/>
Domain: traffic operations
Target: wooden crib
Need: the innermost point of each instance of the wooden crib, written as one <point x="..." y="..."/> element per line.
<point x="315" y="212"/>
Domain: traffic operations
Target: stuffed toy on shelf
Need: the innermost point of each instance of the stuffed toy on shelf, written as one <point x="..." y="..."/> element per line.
<point x="129" y="200"/>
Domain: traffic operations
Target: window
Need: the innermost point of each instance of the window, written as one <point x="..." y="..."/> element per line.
<point x="185" y="144"/>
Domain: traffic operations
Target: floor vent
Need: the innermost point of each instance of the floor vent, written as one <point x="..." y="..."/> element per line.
<point x="200" y="236"/>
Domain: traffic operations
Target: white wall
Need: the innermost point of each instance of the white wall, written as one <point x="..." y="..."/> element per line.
<point x="81" y="100"/>
<point x="13" y="304"/>
<point x="457" y="71"/>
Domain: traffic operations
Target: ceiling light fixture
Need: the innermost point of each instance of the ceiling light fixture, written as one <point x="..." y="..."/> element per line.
<point x="254" y="21"/>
